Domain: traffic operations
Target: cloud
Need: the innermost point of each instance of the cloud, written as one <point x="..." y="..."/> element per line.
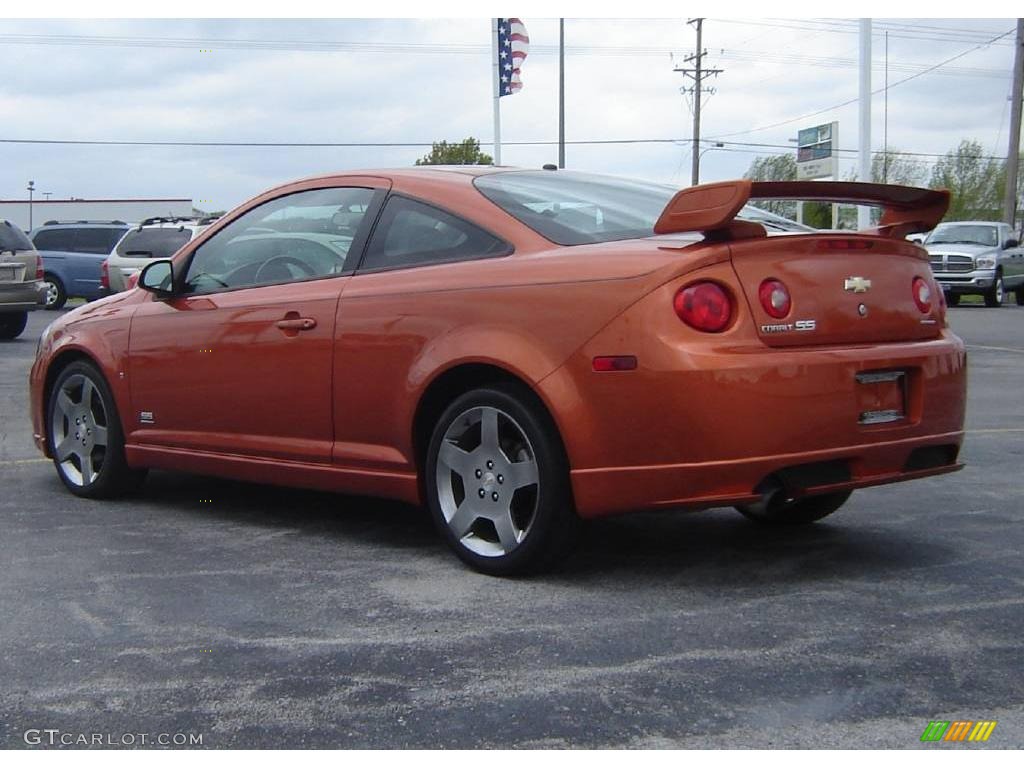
<point x="774" y="71"/>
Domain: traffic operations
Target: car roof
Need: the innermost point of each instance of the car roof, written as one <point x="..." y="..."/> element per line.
<point x="82" y="224"/>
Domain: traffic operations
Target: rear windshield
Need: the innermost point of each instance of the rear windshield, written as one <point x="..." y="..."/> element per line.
<point x="572" y="208"/>
<point x="155" y="243"/>
<point x="12" y="238"/>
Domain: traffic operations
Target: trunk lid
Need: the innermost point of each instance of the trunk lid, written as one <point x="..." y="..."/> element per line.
<point x="844" y="289"/>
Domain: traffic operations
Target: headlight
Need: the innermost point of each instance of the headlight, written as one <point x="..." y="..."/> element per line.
<point x="985" y="262"/>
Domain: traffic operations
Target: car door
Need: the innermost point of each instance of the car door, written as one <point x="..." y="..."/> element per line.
<point x="239" y="359"/>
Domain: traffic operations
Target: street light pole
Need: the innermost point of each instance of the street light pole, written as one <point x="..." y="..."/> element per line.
<point x="31" y="188"/>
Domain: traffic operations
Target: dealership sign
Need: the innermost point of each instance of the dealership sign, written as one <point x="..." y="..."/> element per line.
<point x="817" y="153"/>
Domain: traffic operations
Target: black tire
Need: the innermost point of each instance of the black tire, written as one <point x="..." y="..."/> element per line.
<point x="952" y="299"/>
<point x="1020" y="296"/>
<point x="114" y="477"/>
<point x="809" y="509"/>
<point x="994" y="296"/>
<point x="12" y="324"/>
<point x="56" y="294"/>
<point x="541" y="512"/>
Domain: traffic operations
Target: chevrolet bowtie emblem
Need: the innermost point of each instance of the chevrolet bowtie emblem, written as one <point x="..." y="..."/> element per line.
<point x="857" y="284"/>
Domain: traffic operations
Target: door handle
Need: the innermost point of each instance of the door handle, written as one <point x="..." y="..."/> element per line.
<point x="296" y="324"/>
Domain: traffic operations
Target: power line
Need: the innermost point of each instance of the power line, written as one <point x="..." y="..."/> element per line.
<point x="731" y="146"/>
<point x="873" y="93"/>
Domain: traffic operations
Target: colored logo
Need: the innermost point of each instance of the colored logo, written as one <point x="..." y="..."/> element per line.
<point x="959" y="730"/>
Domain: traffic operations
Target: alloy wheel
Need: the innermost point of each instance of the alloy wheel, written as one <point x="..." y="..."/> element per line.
<point x="487" y="481"/>
<point x="78" y="430"/>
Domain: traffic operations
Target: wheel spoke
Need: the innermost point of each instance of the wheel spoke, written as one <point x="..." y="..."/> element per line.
<point x="452" y="457"/>
<point x="66" y="448"/>
<point x="87" y="474"/>
<point x="489" y="430"/>
<point x="64" y="404"/>
<point x="462" y="520"/>
<point x="87" y="389"/>
<point x="507" y="534"/>
<point x="522" y="474"/>
<point x="99" y="435"/>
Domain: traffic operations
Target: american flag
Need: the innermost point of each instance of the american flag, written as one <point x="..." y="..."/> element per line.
<point x="513" y="45"/>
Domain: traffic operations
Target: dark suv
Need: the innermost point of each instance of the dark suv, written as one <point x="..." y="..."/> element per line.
<point x="73" y="254"/>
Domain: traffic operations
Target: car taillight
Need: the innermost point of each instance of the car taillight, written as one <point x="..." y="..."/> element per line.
<point x="922" y="295"/>
<point x="40" y="275"/>
<point x="774" y="298"/>
<point x="705" y="306"/>
<point x="104" y="276"/>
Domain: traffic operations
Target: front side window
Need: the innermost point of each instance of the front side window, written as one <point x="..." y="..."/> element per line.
<point x="411" y="234"/>
<point x="301" y="236"/>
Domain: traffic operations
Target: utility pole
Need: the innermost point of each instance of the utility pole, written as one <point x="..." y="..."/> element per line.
<point x="1013" y="155"/>
<point x="864" y="133"/>
<point x="31" y="189"/>
<point x="561" y="93"/>
<point x="697" y="73"/>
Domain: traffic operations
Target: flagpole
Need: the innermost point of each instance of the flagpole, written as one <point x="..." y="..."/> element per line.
<point x="495" y="78"/>
<point x="561" y="93"/>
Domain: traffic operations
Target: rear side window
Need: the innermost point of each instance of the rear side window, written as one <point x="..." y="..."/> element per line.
<point x="98" y="240"/>
<point x="54" y="239"/>
<point x="412" y="234"/>
<point x="154" y="243"/>
<point x="12" y="238"/>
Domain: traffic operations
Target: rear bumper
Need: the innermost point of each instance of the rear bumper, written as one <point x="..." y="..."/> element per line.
<point x="22" y="297"/>
<point x="706" y="424"/>
<point x="726" y="483"/>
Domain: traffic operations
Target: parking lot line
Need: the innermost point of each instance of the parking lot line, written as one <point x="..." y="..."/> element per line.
<point x="996" y="349"/>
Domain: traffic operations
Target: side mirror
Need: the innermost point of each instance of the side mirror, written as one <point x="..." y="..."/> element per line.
<point x="1011" y="243"/>
<point x="918" y="240"/>
<point x="158" y="278"/>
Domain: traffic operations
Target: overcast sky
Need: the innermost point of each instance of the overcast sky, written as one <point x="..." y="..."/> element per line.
<point x="428" y="79"/>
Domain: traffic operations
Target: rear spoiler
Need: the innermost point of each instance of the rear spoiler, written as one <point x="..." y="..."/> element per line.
<point x="712" y="208"/>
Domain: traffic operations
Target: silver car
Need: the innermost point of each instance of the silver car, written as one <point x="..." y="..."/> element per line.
<point x="158" y="238"/>
<point x="21" y="280"/>
<point x="976" y="257"/>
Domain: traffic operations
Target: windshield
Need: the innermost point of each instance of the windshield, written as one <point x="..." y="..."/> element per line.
<point x="12" y="238"/>
<point x="153" y="243"/>
<point x="968" y="234"/>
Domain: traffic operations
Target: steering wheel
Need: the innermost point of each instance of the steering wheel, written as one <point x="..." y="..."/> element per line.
<point x="281" y="261"/>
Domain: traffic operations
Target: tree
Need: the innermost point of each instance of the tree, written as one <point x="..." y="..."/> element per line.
<point x="774" y="168"/>
<point x="466" y="153"/>
<point x="896" y="167"/>
<point x="976" y="184"/>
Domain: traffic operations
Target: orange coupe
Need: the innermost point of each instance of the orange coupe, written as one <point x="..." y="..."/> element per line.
<point x="519" y="349"/>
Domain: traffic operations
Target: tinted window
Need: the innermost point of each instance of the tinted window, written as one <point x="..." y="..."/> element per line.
<point x="412" y="234"/>
<point x="154" y="243"/>
<point x="99" y="240"/>
<point x="54" y="239"/>
<point x="297" y="237"/>
<point x="12" y="238"/>
<point x="571" y="208"/>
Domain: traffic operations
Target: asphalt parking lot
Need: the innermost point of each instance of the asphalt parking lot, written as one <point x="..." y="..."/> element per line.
<point x="273" y="618"/>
